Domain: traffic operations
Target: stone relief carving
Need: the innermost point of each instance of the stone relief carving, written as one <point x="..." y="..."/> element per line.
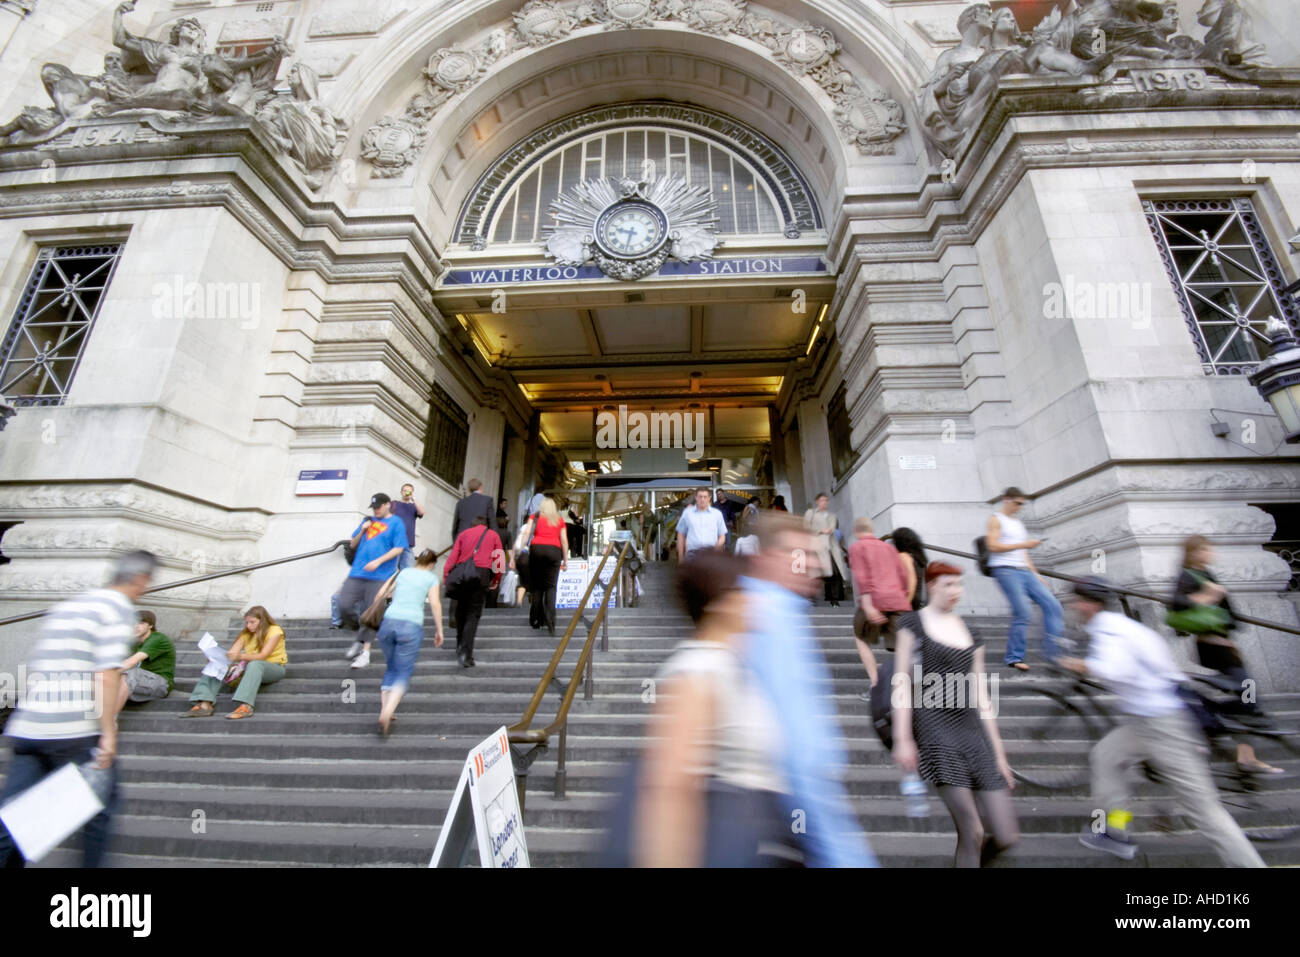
<point x="1086" y="41"/>
<point x="358" y="20"/>
<point x="865" y="114"/>
<point x="179" y="81"/>
<point x="392" y="144"/>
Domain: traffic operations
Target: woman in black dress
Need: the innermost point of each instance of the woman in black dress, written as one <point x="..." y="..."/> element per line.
<point x="1216" y="650"/>
<point x="949" y="736"/>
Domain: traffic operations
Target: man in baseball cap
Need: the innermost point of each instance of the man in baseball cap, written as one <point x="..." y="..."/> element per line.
<point x="377" y="543"/>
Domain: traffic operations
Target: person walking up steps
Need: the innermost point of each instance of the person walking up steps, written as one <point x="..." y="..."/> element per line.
<point x="379" y="542"/>
<point x="1136" y="664"/>
<point x="1014" y="571"/>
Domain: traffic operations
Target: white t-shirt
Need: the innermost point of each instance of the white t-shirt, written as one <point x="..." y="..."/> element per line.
<point x="745" y="741"/>
<point x="1134" y="662"/>
<point x="1012" y="533"/>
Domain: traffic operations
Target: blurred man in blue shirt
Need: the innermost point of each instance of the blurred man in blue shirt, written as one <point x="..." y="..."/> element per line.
<point x="782" y="652"/>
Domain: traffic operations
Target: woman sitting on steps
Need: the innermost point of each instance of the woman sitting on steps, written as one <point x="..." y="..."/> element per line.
<point x="261" y="647"/>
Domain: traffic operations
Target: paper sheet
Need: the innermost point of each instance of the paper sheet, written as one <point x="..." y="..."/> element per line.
<point x="40" y="818"/>
<point x="218" y="664"/>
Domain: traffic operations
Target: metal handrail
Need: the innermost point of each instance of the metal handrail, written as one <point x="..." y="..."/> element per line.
<point x="14" y="619"/>
<point x="521" y="733"/>
<point x="1124" y="593"/>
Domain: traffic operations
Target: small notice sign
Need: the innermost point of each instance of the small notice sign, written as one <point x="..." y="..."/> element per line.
<point x="573" y="582"/>
<point x="321" y="482"/>
<point x="917" y="462"/>
<point x="484" y="806"/>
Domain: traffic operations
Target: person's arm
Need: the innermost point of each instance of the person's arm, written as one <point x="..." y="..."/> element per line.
<point x="564" y="546"/>
<point x="909" y="573"/>
<point x="993" y="538"/>
<point x="235" y="652"/>
<point x="991" y="723"/>
<point x="111" y="690"/>
<point x="356" y="536"/>
<point x="669" y="813"/>
<point x="419" y="512"/>
<point x="388" y="556"/>
<point x="900" y="700"/>
<point x="273" y="639"/>
<point x="121" y="37"/>
<point x="134" y="660"/>
<point x="722" y="535"/>
<point x="435" y="605"/>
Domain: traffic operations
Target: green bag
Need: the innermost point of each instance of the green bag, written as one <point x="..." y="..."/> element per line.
<point x="1200" y="619"/>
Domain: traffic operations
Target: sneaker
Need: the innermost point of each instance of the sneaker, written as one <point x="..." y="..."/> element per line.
<point x="354" y="650"/>
<point x="361" y="660"/>
<point x="1122" y="846"/>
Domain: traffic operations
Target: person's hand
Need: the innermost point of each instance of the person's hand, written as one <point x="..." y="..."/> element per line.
<point x="1033" y="543"/>
<point x="1215" y="590"/>
<point x="107" y="750"/>
<point x="876" y="617"/>
<point x="1005" y="770"/>
<point x="371" y="566"/>
<point x="437" y="642"/>
<point x="232" y="655"/>
<point x="564" y="565"/>
<point x="905" y="754"/>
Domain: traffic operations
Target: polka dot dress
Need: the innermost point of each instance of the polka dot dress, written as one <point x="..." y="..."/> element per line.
<point x="953" y="747"/>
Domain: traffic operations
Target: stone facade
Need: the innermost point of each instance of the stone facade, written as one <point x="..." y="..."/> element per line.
<point x="326" y="180"/>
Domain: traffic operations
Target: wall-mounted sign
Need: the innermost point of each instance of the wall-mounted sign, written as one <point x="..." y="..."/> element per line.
<point x="321" y="482"/>
<point x="917" y="462"/>
<point x="748" y="265"/>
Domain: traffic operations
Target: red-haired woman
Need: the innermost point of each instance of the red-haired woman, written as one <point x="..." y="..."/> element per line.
<point x="950" y="737"/>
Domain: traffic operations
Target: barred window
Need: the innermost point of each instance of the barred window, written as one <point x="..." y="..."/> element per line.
<point x="447" y="438"/>
<point x="41" y="351"/>
<point x="841" y="433"/>
<point x="1226" y="276"/>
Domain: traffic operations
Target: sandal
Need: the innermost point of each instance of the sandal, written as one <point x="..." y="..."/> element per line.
<point x="243" y="711"/>
<point x="203" y="709"/>
<point x="1018" y="665"/>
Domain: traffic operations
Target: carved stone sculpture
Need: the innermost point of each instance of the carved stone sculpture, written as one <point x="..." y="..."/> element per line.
<point x="1231" y="39"/>
<point x="392" y="144"/>
<point x="304" y="127"/>
<point x="74" y="96"/>
<point x="944" y="94"/>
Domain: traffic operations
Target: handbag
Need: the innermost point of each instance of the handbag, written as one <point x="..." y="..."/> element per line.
<point x="509" y="584"/>
<point x="462" y="573"/>
<point x="1200" y="619"/>
<point x="373" y="616"/>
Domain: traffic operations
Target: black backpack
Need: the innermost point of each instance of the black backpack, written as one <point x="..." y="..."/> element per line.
<point x="982" y="556"/>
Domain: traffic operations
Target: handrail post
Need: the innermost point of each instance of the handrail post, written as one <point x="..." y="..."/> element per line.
<point x="604" y="620"/>
<point x="560" y="773"/>
<point x="587" y="690"/>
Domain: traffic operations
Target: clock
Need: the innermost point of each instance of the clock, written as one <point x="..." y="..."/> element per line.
<point x="629" y="230"/>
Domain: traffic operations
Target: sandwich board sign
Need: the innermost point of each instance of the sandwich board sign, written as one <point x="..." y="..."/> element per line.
<point x="485" y="806"/>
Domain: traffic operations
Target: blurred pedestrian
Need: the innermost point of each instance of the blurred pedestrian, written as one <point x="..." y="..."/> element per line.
<point x="74" y="719"/>
<point x="780" y="649"/>
<point x="952" y="742"/>
<point x="709" y="790"/>
<point x="1200" y="607"/>
<point x="911" y="550"/>
<point x="1136" y="664"/>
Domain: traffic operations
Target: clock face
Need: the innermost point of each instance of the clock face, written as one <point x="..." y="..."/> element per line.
<point x="631" y="229"/>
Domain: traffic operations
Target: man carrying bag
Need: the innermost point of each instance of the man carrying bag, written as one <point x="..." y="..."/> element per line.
<point x="475" y="557"/>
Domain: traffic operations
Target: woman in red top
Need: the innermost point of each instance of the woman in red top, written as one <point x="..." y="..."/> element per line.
<point x="548" y="555"/>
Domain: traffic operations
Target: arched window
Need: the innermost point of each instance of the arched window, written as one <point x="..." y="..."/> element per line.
<point x="756" y="189"/>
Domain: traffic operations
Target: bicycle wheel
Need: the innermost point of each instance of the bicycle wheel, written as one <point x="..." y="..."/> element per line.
<point x="1061" y="735"/>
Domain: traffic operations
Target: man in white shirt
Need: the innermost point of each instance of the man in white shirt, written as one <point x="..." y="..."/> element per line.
<point x="700" y="526"/>
<point x="1009" y="544"/>
<point x="1135" y="663"/>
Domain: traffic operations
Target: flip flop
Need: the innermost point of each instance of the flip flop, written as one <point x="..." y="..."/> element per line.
<point x="1018" y="665"/>
<point x="1259" y="767"/>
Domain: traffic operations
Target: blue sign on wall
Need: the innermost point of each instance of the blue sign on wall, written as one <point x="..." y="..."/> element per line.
<point x="750" y="265"/>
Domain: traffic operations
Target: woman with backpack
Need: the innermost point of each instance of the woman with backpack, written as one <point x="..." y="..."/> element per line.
<point x="950" y="737"/>
<point x="1200" y="607"/>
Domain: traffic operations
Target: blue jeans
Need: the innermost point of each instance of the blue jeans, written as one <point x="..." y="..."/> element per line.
<point x="406" y="559"/>
<point x="32" y="761"/>
<point x="1021" y="586"/>
<point x="400" y="642"/>
<point x="336" y="613"/>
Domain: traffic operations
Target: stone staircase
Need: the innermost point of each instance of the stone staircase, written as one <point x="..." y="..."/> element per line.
<point x="308" y="782"/>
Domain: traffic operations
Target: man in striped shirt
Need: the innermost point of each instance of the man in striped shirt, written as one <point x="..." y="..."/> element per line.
<point x="68" y="711"/>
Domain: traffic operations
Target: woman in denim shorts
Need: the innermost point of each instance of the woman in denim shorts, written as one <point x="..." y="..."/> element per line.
<point x="402" y="631"/>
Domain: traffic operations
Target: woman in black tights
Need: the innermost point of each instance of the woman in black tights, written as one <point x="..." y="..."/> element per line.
<point x="950" y="736"/>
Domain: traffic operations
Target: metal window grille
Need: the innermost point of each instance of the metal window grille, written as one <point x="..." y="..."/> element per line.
<point x="841" y="433"/>
<point x="46" y="339"/>
<point x="446" y="439"/>
<point x="745" y="202"/>
<point x="1227" y="278"/>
